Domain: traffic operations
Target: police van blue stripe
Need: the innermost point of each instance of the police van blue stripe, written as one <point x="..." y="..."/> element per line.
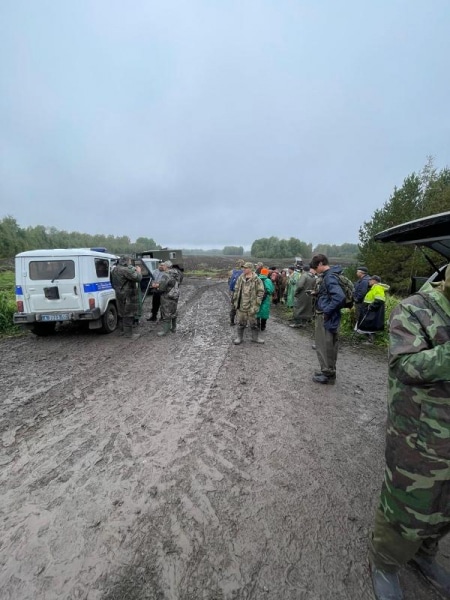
<point x="19" y="291"/>
<point x="98" y="286"/>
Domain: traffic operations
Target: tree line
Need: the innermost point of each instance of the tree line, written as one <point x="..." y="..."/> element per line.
<point x="422" y="194"/>
<point x="15" y="239"/>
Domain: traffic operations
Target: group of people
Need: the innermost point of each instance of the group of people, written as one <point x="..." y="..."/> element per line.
<point x="126" y="278"/>
<point x="413" y="513"/>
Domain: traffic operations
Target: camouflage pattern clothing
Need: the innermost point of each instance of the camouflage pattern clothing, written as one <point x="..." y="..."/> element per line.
<point x="414" y="510"/>
<point x="169" y="306"/>
<point x="247" y="298"/>
<point x="125" y="281"/>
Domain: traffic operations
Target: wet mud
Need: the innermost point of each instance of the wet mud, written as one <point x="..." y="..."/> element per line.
<point x="188" y="468"/>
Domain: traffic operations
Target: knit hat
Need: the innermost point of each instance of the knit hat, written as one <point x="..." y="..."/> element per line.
<point x="264" y="271"/>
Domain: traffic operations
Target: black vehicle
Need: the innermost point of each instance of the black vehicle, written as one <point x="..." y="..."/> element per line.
<point x="428" y="233"/>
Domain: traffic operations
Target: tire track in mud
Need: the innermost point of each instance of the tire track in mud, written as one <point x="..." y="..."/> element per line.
<point x="187" y="468"/>
<point x="89" y="462"/>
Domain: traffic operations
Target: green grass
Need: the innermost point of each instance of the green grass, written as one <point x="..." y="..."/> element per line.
<point x="7" y="304"/>
<point x="346" y="330"/>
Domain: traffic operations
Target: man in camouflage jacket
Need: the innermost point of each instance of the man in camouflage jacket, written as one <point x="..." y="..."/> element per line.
<point x="170" y="279"/>
<point x="125" y="280"/>
<point x="247" y="298"/>
<point x="414" y="510"/>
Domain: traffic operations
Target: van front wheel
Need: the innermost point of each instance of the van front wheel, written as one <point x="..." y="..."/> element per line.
<point x="109" y="319"/>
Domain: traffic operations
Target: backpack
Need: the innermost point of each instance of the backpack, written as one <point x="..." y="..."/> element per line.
<point x="348" y="288"/>
<point x="174" y="292"/>
<point x="233" y="278"/>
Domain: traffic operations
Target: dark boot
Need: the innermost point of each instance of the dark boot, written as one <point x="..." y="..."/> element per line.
<point x="128" y="329"/>
<point x="152" y="318"/>
<point x="386" y="586"/>
<point x="174" y="325"/>
<point x="165" y="330"/>
<point x="325" y="379"/>
<point x="240" y="335"/>
<point x="433" y="572"/>
<point x="120" y="326"/>
<point x="255" y="337"/>
<point x="327" y="374"/>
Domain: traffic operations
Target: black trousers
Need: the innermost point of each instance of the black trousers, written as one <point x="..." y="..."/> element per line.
<point x="156" y="303"/>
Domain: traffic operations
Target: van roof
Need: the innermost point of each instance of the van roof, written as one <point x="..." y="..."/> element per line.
<point x="65" y="252"/>
<point x="432" y="231"/>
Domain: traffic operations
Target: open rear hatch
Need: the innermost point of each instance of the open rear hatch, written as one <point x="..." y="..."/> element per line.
<point x="432" y="232"/>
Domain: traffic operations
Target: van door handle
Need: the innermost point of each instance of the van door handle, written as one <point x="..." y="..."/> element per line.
<point x="75" y="290"/>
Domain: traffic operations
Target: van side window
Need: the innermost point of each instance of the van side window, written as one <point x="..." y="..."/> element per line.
<point x="102" y="267"/>
<point x="46" y="270"/>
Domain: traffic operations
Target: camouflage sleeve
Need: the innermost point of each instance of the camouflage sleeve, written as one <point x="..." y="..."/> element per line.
<point x="132" y="274"/>
<point x="164" y="283"/>
<point x="413" y="358"/>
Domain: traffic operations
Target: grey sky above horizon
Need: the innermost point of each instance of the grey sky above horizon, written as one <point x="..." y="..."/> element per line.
<point x="213" y="123"/>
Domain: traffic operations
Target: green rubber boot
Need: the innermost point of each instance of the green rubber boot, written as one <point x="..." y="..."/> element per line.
<point x="166" y="329"/>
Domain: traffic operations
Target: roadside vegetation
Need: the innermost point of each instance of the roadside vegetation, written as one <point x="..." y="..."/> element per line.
<point x="7" y="304"/>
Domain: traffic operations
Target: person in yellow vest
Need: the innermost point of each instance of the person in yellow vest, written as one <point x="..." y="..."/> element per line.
<point x="371" y="318"/>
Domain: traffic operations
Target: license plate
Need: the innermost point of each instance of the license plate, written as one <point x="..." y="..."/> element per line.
<point x="56" y="317"/>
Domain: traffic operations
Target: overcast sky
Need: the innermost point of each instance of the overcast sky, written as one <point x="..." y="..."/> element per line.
<point x="206" y="123"/>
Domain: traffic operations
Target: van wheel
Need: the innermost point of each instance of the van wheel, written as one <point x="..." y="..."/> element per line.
<point x="43" y="329"/>
<point x="109" y="319"/>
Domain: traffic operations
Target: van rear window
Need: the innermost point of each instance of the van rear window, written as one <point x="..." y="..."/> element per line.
<point x="46" y="270"/>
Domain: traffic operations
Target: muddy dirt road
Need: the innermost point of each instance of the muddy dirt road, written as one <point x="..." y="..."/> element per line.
<point x="186" y="467"/>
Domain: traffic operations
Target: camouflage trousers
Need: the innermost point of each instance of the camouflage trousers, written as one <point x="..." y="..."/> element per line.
<point x="389" y="550"/>
<point x="168" y="308"/>
<point x="245" y="318"/>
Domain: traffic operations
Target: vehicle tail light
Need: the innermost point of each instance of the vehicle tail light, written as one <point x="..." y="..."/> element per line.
<point x="19" y="305"/>
<point x="92" y="303"/>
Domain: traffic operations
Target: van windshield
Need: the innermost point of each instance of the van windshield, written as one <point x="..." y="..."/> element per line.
<point x="47" y="270"/>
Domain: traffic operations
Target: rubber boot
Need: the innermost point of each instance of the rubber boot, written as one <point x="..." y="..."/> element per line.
<point x="120" y="327"/>
<point x="386" y="586"/>
<point x="255" y="337"/>
<point x="434" y="573"/>
<point x="240" y="336"/>
<point x="129" y="334"/>
<point x="166" y="329"/>
<point x="174" y="325"/>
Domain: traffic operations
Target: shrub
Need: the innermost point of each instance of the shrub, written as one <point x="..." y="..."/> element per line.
<point x="7" y="303"/>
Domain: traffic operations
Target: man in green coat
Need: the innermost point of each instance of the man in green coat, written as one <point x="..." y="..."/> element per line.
<point x="414" y="509"/>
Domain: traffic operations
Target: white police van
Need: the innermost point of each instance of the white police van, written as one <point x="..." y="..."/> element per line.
<point x="58" y="286"/>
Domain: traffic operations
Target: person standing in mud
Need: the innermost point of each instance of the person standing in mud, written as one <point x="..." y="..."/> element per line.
<point x="414" y="510"/>
<point x="234" y="275"/>
<point x="303" y="302"/>
<point x="264" y="310"/>
<point x="247" y="298"/>
<point x="329" y="300"/>
<point x="125" y="280"/>
<point x="156" y="296"/>
<point x="168" y="287"/>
